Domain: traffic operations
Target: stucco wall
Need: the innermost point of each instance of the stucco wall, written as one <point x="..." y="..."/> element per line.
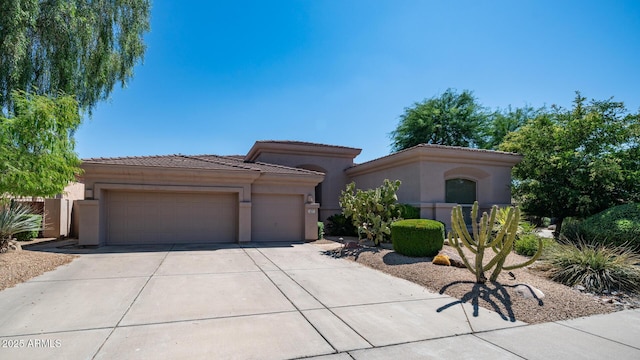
<point x="424" y="171"/>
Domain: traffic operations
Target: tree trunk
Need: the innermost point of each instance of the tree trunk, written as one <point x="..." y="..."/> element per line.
<point x="556" y="232"/>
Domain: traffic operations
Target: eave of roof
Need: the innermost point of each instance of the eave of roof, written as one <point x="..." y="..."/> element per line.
<point x="299" y="148"/>
<point x="438" y="153"/>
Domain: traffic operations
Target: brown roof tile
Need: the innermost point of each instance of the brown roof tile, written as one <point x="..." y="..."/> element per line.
<point x="206" y="162"/>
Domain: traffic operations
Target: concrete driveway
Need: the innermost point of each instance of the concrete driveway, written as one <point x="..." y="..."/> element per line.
<point x="276" y="301"/>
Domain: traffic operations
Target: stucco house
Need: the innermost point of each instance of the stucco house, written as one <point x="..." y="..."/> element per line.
<point x="276" y="192"/>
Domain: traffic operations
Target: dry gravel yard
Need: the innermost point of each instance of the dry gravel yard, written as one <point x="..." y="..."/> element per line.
<point x="22" y="265"/>
<point x="559" y="303"/>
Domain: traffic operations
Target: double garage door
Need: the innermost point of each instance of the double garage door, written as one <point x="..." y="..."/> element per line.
<point x="145" y="217"/>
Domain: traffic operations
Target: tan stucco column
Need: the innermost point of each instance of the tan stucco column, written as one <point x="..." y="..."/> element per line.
<point x="311" y="221"/>
<point x="244" y="222"/>
<point x="89" y="216"/>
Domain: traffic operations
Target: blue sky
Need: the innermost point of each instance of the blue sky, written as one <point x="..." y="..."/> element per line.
<point x="219" y="75"/>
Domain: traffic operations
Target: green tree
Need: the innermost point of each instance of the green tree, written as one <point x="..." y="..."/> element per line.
<point x="37" y="156"/>
<point x="79" y="47"/>
<point x="449" y="119"/>
<point x="576" y="162"/>
<point x="502" y="122"/>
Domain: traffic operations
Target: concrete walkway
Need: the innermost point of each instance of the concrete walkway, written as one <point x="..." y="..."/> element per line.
<point x="278" y="301"/>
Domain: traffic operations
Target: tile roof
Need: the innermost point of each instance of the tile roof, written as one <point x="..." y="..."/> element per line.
<point x="293" y="142"/>
<point x="205" y="162"/>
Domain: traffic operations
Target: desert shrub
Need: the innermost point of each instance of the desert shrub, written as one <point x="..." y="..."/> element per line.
<point x="527" y="244"/>
<point x="571" y="231"/>
<point x="417" y="237"/>
<point x="15" y="218"/>
<point x="372" y="210"/>
<point x="487" y="235"/>
<point x="596" y="267"/>
<point x="340" y="225"/>
<point x="320" y="230"/>
<point x="28" y="235"/>
<point x="409" y="211"/>
<point x="615" y="226"/>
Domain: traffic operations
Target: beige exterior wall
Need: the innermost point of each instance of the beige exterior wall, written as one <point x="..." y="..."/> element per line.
<point x="60" y="211"/>
<point x="424" y="170"/>
<point x="327" y="159"/>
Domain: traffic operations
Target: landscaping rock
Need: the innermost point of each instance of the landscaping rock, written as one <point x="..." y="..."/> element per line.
<point x="580" y="288"/>
<point x="441" y="260"/>
<point x="351" y="245"/>
<point x="529" y="292"/>
<point x="454" y="258"/>
<point x="14" y="245"/>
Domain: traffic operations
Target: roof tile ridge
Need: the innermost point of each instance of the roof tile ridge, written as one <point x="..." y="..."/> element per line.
<point x="125" y="157"/>
<point x="200" y="158"/>
<point x="287" y="167"/>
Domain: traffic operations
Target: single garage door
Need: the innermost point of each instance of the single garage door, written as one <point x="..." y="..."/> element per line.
<point x="163" y="217"/>
<point x="277" y="217"/>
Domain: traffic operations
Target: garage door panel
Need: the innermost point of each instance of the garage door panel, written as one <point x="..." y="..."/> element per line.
<point x="277" y="217"/>
<point x="164" y="217"/>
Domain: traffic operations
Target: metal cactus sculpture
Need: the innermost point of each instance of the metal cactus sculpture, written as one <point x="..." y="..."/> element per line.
<point x="487" y="236"/>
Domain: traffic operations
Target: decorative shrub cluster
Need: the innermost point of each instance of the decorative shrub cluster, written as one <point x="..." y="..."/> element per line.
<point x="340" y="225"/>
<point x="527" y="244"/>
<point x="596" y="267"/>
<point x="417" y="237"/>
<point x="409" y="211"/>
<point x="615" y="226"/>
<point x="320" y="230"/>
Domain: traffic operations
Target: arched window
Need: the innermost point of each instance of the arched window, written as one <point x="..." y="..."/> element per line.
<point x="460" y="191"/>
<point x="463" y="192"/>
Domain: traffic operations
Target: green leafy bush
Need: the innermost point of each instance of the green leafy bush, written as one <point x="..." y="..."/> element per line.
<point x="28" y="235"/>
<point x="572" y="231"/>
<point x="596" y="267"/>
<point x="409" y="211"/>
<point x="340" y="225"/>
<point x="320" y="230"/>
<point x="527" y="244"/>
<point x="417" y="237"/>
<point x="372" y="210"/>
<point x="615" y="226"/>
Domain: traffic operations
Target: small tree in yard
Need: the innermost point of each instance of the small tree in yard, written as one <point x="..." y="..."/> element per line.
<point x="372" y="210"/>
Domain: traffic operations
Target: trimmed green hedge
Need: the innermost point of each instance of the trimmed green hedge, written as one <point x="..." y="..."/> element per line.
<point x="320" y="230"/>
<point x="417" y="237"/>
<point x="615" y="226"/>
<point x="409" y="211"/>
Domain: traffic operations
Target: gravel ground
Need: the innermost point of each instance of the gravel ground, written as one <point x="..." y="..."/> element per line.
<point x="559" y="302"/>
<point x="22" y="265"/>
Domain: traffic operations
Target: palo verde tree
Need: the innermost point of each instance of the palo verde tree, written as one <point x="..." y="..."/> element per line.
<point x="454" y="119"/>
<point x="577" y="161"/>
<point x="37" y="156"/>
<point x="78" y="47"/>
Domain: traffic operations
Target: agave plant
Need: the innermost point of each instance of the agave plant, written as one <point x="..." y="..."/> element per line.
<point x="597" y="267"/>
<point x="15" y="218"/>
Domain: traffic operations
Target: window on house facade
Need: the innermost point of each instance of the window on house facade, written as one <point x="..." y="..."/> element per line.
<point x="463" y="192"/>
